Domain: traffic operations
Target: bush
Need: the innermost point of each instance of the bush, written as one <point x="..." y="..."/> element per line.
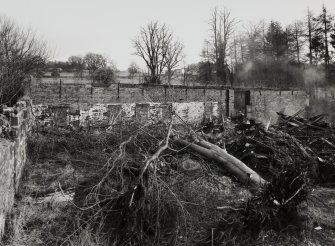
<point x="25" y="56"/>
<point x="103" y="77"/>
<point x="55" y="73"/>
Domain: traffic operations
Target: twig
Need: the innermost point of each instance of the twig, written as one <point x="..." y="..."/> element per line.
<point x="214" y="208"/>
<point x="296" y="193"/>
<point x="86" y="162"/>
<point x="152" y="158"/>
<point x="132" y="196"/>
<point x="293" y="116"/>
<point x="82" y="209"/>
<point x="159" y="151"/>
<point x="328" y="142"/>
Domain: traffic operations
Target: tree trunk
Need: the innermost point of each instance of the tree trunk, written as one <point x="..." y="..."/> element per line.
<point x="236" y="167"/>
<point x="309" y="23"/>
<point x="298" y="46"/>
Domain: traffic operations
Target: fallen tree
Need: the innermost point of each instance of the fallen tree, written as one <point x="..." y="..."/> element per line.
<point x="233" y="165"/>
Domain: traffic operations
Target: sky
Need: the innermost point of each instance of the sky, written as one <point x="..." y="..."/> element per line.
<point x="75" y="27"/>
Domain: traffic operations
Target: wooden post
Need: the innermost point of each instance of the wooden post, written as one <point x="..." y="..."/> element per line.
<point x="60" y="88"/>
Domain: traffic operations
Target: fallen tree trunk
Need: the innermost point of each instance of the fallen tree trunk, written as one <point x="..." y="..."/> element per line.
<point x="236" y="167"/>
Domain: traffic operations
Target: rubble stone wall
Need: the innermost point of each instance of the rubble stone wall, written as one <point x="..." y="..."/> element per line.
<point x="13" y="156"/>
<point x="265" y="103"/>
<point x="59" y="101"/>
<point x="61" y="91"/>
<point x="322" y="100"/>
<point x="105" y="115"/>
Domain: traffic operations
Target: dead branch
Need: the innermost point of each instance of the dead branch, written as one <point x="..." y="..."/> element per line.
<point x="298" y="144"/>
<point x="151" y="159"/>
<point x="328" y="142"/>
<point x="159" y="151"/>
<point x="229" y="162"/>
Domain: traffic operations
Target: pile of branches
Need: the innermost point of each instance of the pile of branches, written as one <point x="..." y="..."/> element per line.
<point x="137" y="195"/>
<point x="317" y="138"/>
<point x="305" y="144"/>
<point x="129" y="201"/>
<point x="292" y="156"/>
<point x="143" y="194"/>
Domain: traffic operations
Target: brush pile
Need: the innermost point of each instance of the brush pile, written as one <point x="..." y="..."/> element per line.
<point x="306" y="144"/>
<point x="167" y="184"/>
<point x="294" y="155"/>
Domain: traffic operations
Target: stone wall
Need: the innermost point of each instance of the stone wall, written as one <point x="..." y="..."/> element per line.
<point x="265" y="103"/>
<point x="322" y="101"/>
<point x="13" y="155"/>
<point x="67" y="91"/>
<point x="59" y="101"/>
<point x="105" y="115"/>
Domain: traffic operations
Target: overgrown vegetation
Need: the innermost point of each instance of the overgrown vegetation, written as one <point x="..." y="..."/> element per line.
<point x="103" y="77"/>
<point x="137" y="186"/>
<point x="22" y="54"/>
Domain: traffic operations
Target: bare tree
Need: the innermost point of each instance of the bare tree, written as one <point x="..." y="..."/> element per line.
<point x="174" y="56"/>
<point x="222" y="26"/>
<point x="311" y="35"/>
<point x="95" y="61"/>
<point x="297" y="32"/>
<point x="324" y="24"/>
<point x="254" y="41"/>
<point x="236" y="53"/>
<point x="112" y="64"/>
<point x="21" y="54"/>
<point x="133" y="69"/>
<point x="154" y="45"/>
<point x="77" y="64"/>
<point x="205" y="67"/>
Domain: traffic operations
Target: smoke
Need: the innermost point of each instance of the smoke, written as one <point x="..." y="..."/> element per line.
<point x="323" y="105"/>
<point x="281" y="73"/>
<point x="247" y="67"/>
<point x="314" y="76"/>
<point x="271" y="72"/>
<point x="246" y="70"/>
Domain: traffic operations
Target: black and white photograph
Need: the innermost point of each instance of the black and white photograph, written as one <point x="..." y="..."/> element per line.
<point x="167" y="123"/>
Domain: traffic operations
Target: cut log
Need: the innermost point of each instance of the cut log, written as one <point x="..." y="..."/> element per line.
<point x="236" y="167"/>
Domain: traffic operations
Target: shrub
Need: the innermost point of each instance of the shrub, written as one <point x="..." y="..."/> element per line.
<point x="103" y="77"/>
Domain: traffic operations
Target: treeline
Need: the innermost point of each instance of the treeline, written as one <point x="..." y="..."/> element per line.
<point x="263" y="54"/>
<point x="77" y="64"/>
<point x="269" y="54"/>
<point x="95" y="66"/>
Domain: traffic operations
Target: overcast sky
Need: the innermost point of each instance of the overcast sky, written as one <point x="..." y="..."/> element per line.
<point x="75" y="27"/>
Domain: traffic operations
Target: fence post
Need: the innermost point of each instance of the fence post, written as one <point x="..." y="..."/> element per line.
<point x="118" y="90"/>
<point x="60" y="88"/>
<point x="227" y="103"/>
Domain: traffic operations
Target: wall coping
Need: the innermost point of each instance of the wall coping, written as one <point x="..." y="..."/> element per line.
<point x="57" y="81"/>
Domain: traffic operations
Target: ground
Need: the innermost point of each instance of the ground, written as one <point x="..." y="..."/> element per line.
<point x="46" y="214"/>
